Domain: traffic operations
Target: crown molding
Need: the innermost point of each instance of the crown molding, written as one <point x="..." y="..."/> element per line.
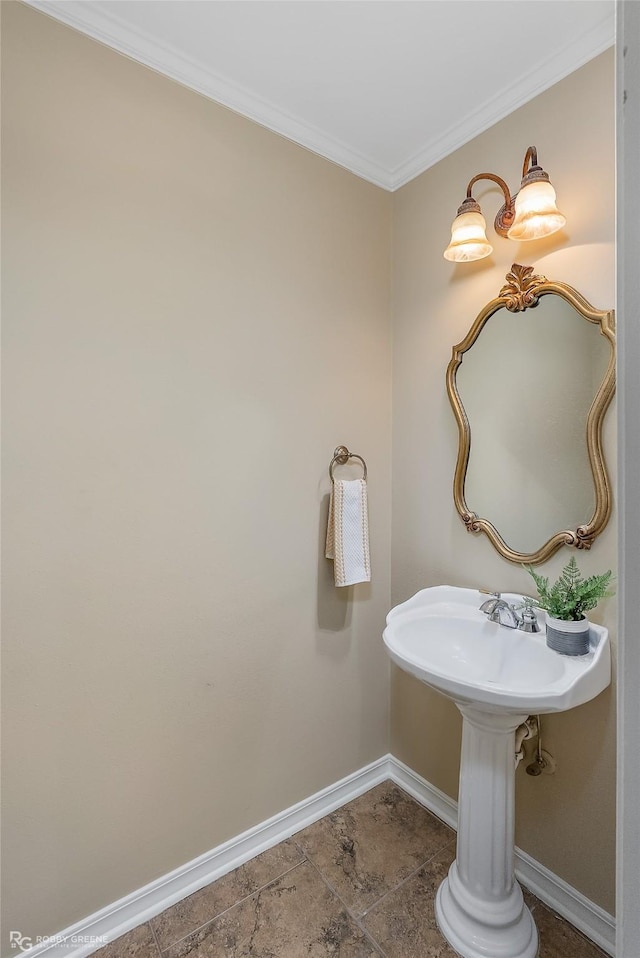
<point x="570" y="58"/>
<point x="107" y="28"/>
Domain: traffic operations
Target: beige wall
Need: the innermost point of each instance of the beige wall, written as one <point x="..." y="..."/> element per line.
<point x="565" y="821"/>
<point x="196" y="312"/>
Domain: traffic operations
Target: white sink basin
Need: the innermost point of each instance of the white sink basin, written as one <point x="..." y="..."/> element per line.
<point x="442" y="638"/>
<point x="497" y="677"/>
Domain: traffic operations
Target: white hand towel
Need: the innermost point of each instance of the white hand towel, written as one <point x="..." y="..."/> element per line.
<point x="348" y="532"/>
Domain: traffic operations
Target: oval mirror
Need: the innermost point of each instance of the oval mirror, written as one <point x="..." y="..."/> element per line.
<point x="529" y="386"/>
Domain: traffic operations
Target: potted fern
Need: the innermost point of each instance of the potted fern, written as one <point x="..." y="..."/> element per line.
<point x="566" y="602"/>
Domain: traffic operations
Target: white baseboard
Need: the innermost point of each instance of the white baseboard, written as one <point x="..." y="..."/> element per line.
<point x="428" y="795"/>
<point x="109" y="923"/>
<point x="592" y="920"/>
<point x="589" y="918"/>
<point x="122" y="916"/>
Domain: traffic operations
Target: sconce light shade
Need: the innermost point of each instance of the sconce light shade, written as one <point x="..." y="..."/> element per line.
<point x="529" y="215"/>
<point x="468" y="237"/>
<point x="536" y="213"/>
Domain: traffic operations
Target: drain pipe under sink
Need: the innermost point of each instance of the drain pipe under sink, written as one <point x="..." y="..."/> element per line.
<point x="543" y="763"/>
<point x="529" y="728"/>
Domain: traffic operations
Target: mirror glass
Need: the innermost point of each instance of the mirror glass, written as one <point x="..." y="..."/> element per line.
<point x="530" y="386"/>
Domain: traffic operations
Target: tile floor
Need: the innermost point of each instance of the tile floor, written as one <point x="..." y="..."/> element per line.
<point x="360" y="883"/>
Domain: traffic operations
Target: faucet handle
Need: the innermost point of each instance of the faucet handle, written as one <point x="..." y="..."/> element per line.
<point x="489" y="607"/>
<point x="528" y="619"/>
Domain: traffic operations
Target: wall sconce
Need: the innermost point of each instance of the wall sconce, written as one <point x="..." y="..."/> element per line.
<point x="529" y="214"/>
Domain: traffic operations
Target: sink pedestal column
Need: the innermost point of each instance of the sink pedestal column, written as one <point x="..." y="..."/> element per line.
<point x="479" y="906"/>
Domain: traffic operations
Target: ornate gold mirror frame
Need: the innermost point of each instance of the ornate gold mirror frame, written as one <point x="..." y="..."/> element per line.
<point x="522" y="291"/>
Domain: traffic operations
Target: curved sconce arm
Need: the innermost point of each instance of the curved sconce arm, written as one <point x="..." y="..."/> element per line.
<point x="528" y="214"/>
<point x="505" y="215"/>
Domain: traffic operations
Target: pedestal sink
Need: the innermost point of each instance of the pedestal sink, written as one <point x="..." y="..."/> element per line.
<point x="497" y="677"/>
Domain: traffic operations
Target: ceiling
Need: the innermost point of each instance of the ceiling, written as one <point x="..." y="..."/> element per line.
<point x="385" y="88"/>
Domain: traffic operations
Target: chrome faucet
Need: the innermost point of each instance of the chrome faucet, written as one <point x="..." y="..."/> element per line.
<point x="509" y="615"/>
<point x="501" y="612"/>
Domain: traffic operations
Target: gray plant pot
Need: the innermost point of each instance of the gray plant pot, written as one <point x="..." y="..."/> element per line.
<point x="568" y="638"/>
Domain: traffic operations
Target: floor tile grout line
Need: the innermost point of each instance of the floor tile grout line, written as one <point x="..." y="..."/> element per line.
<point x="533" y="907"/>
<point x="346" y="907"/>
<point x="155" y="938"/>
<point x="405" y="880"/>
<point x="224" y="911"/>
<point x="369" y="937"/>
<point x="357" y="919"/>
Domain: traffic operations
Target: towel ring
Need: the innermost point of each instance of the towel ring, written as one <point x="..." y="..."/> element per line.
<point x="341" y="456"/>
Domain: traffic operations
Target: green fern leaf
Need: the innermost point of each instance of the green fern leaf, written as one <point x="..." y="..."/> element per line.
<point x="571" y="595"/>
